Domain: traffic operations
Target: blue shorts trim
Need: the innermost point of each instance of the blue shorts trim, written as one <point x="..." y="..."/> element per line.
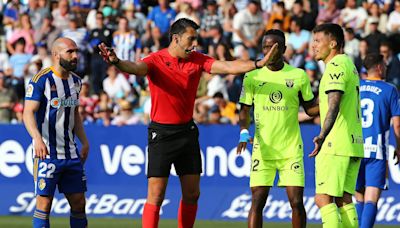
<point x="372" y="173"/>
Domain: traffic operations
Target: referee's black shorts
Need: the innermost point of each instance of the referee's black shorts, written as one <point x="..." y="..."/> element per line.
<point x="173" y="144"/>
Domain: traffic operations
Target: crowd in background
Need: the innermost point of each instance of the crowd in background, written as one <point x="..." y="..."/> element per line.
<point x="228" y="30"/>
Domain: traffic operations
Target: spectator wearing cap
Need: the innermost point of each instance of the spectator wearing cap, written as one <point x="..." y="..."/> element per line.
<point x="210" y="19"/>
<point x="61" y="15"/>
<point x="126" y="115"/>
<point x="7" y="101"/>
<point x="11" y="12"/>
<point x="351" y="44"/>
<point x="47" y="33"/>
<point x="161" y="16"/>
<point x="392" y="63"/>
<point x="137" y="20"/>
<point x="248" y="28"/>
<point x="393" y="25"/>
<point x="101" y="34"/>
<point x="23" y="30"/>
<point x="376" y="37"/>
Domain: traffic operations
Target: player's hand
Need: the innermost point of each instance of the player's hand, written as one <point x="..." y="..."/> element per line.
<point x="40" y="149"/>
<point x="108" y="53"/>
<point x="396" y="154"/>
<point x="269" y="55"/>
<point x="244" y="139"/>
<point x="84" y="153"/>
<point x="317" y="146"/>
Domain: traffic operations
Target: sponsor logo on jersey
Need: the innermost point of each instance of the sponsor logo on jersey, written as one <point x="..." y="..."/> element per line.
<point x="275" y="96"/>
<point x="60" y="102"/>
<point x="336" y="76"/>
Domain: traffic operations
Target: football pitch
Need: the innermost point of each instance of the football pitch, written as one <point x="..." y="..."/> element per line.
<point x="62" y="222"/>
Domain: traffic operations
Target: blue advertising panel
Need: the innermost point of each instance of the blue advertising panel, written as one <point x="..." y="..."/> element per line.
<point x="117" y="183"/>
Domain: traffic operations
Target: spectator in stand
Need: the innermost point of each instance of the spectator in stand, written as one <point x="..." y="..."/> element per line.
<point x="214" y="115"/>
<point x="23" y="30"/>
<point x="363" y="51"/>
<point x="137" y="20"/>
<point x="393" y="25"/>
<point x="97" y="67"/>
<point x="126" y="115"/>
<point x="353" y="16"/>
<point x="383" y="5"/>
<point x="19" y="62"/>
<point x="375" y="38"/>
<point x="86" y="101"/>
<point x="210" y="19"/>
<point x="248" y="30"/>
<point x="7" y="101"/>
<point x="103" y="116"/>
<point x="47" y="33"/>
<point x="329" y="13"/>
<point x="186" y="11"/>
<point x="161" y="16"/>
<point x="37" y="13"/>
<point x="61" y="15"/>
<point x="115" y="85"/>
<point x="125" y="41"/>
<point x="306" y="19"/>
<point x="229" y="13"/>
<point x="228" y="110"/>
<point x="352" y="44"/>
<point x="298" y="39"/>
<point x="375" y="13"/>
<point x="279" y="12"/>
<point x="392" y="64"/>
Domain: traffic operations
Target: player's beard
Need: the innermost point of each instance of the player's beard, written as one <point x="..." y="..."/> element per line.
<point x="68" y="65"/>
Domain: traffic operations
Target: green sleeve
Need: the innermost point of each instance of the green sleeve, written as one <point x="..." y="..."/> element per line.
<point x="306" y="91"/>
<point x="335" y="77"/>
<point x="246" y="95"/>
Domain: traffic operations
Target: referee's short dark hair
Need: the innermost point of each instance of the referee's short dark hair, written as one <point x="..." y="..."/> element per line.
<point x="179" y="27"/>
<point x="276" y="32"/>
<point x="332" y="30"/>
<point x="372" y="60"/>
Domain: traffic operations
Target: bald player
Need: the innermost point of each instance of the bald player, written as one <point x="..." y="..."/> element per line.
<point x="51" y="117"/>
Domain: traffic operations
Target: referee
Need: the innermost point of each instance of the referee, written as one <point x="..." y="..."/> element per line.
<point x="174" y="74"/>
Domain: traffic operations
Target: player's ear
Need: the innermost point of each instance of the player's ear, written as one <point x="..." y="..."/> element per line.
<point x="175" y="38"/>
<point x="333" y="44"/>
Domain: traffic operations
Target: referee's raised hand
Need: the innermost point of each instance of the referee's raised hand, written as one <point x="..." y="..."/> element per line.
<point x="108" y="54"/>
<point x="268" y="57"/>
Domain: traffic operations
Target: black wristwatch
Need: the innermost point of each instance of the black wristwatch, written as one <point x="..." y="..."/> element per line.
<point x="255" y="64"/>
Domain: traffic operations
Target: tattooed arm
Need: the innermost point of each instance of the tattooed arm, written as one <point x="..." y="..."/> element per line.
<point x="333" y="111"/>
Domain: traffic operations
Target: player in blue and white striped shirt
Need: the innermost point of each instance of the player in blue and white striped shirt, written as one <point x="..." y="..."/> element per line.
<point x="379" y="105"/>
<point x="52" y="119"/>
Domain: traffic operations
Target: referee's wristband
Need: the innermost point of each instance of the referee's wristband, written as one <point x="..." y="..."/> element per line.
<point x="244" y="136"/>
<point x="255" y="64"/>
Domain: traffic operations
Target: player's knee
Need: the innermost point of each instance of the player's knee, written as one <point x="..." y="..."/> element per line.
<point x="191" y="196"/>
<point x="296" y="203"/>
<point x="43" y="203"/>
<point x="258" y="200"/>
<point x="78" y="206"/>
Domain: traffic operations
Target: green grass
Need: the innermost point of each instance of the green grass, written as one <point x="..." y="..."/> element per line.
<point x="63" y="222"/>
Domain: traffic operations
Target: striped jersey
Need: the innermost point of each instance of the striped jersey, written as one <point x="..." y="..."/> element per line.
<point x="125" y="45"/>
<point x="379" y="102"/>
<point x="55" y="118"/>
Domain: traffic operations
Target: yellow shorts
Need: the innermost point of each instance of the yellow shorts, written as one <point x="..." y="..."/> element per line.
<point x="290" y="170"/>
<point x="336" y="174"/>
